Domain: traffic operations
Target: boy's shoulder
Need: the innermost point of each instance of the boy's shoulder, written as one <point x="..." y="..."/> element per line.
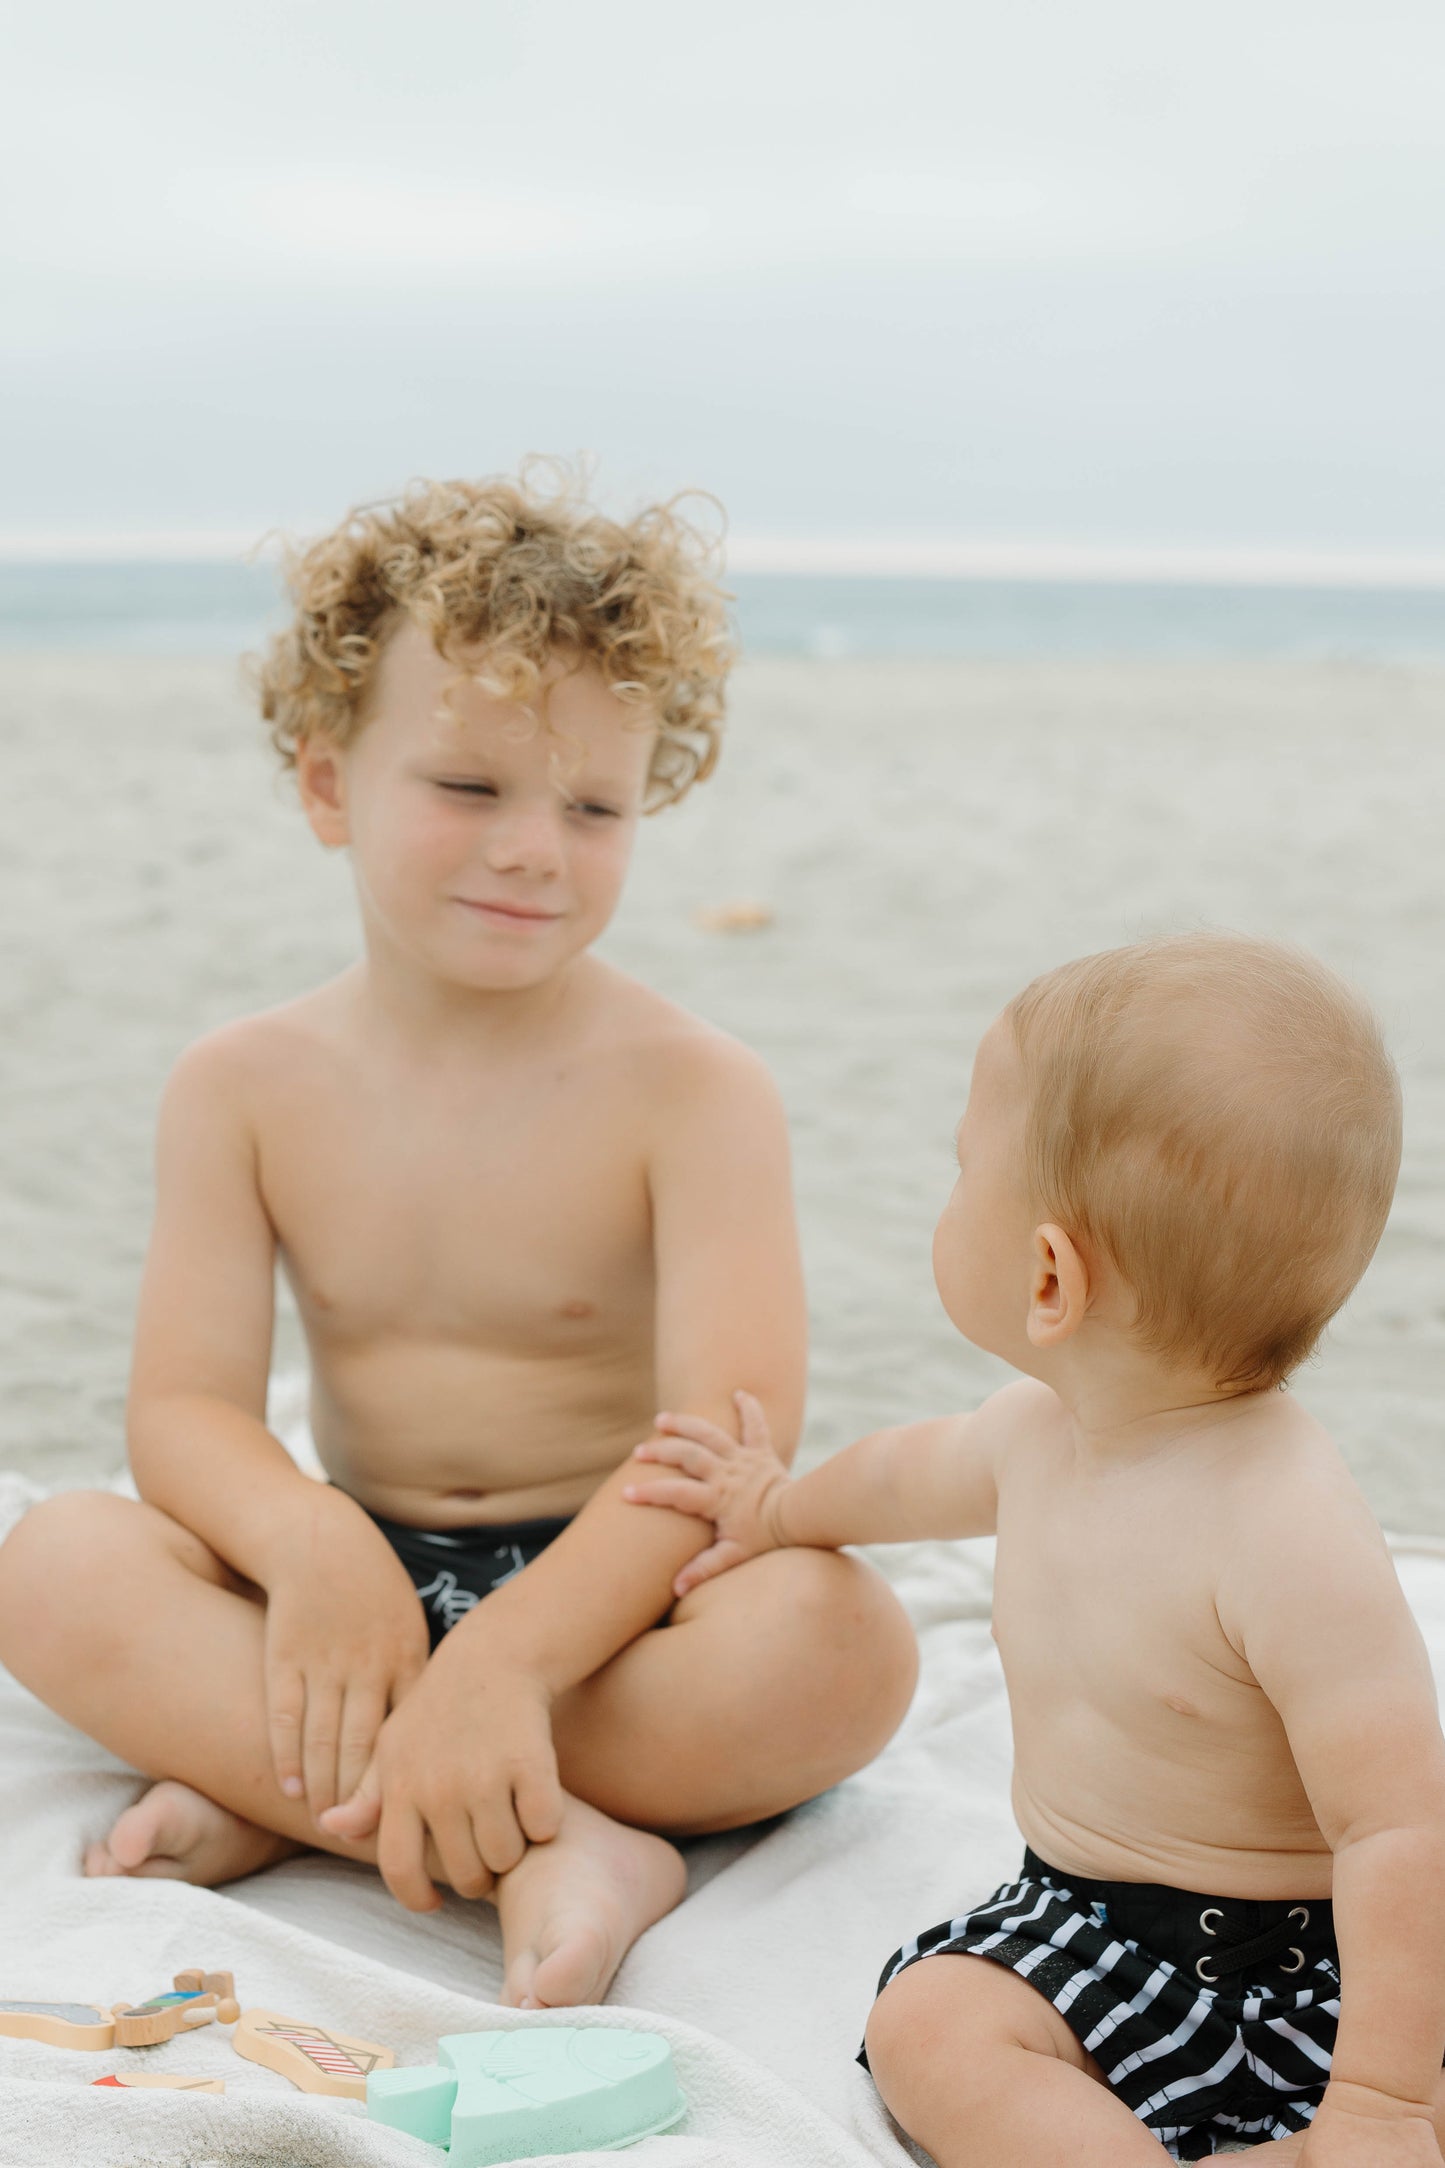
<point x="228" y="1063"/>
<point x="678" y="1058"/>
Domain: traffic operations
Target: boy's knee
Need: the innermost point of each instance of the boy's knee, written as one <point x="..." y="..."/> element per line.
<point x="855" y="1651"/>
<point x="855" y="1615"/>
<point x="66" y="1541"/>
<point x="40" y="1554"/>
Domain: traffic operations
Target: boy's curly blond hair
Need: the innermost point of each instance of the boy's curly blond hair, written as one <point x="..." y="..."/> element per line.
<point x="519" y="572"/>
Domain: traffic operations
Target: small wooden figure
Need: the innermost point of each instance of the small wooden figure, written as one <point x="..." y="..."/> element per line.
<point x="159" y="2084"/>
<point x="59" y="2024"/>
<point x="90" y="2026"/>
<point x="314" y="2059"/>
<point x="148" y="2023"/>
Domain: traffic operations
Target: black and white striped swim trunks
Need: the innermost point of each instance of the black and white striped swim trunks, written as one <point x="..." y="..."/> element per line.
<point x="1212" y="2018"/>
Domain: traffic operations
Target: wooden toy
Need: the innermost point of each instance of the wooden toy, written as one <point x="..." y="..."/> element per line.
<point x="146" y="2024"/>
<point x="314" y="2059"/>
<point x="507" y="2096"/>
<point x="157" y="2084"/>
<point x="91" y="2026"/>
<point x="59" y="2024"/>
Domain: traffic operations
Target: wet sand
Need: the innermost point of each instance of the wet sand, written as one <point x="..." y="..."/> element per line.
<point x="927" y="836"/>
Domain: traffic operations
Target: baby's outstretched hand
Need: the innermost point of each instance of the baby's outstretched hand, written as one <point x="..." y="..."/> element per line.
<point x="734" y="1483"/>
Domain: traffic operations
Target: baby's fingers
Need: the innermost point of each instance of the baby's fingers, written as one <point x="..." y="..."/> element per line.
<point x="718" y="1558"/>
<point x="677" y="1491"/>
<point x="756" y="1435"/>
<point x="698" y="1461"/>
<point x="719" y="1441"/>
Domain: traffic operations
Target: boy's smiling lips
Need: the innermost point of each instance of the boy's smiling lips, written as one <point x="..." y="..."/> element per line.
<point x="517" y="913"/>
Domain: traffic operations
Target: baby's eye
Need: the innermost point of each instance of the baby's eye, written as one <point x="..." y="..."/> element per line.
<point x="595" y="811"/>
<point x="467" y="789"/>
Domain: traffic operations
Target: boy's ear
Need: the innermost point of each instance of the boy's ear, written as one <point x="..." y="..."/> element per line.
<point x="1059" y="1295"/>
<point x="321" y="781"/>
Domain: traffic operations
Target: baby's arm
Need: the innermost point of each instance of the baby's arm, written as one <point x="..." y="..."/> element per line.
<point x="1313" y="1605"/>
<point x="344" y="1632"/>
<point x="937" y="1478"/>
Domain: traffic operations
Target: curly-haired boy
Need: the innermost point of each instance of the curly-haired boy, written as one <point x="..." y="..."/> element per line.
<point x="521" y="1201"/>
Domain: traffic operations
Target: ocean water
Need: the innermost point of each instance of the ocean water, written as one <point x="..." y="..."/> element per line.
<point x="222" y="608"/>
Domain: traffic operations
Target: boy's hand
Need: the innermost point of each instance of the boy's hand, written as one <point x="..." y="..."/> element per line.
<point x="466" y="1761"/>
<point x="735" y="1485"/>
<point x="345" y="1639"/>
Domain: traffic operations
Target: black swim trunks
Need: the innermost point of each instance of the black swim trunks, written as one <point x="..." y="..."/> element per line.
<point x="453" y="1568"/>
<point x="1212" y="2018"/>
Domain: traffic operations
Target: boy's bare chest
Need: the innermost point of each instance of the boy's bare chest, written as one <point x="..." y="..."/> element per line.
<point x="493" y="1218"/>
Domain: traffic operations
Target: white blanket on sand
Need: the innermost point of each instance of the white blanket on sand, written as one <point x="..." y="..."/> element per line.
<point x="761" y="1980"/>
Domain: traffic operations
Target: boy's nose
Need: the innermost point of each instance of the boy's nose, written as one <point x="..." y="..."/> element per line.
<point x="525" y="839"/>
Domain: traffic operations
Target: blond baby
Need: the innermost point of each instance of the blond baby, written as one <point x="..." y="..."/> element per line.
<point x="1229" y="1925"/>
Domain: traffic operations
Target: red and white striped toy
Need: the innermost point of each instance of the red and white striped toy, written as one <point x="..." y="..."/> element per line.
<point x="316" y="2060"/>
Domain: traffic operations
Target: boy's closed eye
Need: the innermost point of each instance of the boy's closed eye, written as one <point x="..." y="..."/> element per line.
<point x="469" y="787"/>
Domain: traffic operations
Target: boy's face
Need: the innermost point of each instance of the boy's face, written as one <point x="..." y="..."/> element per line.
<point x="489" y="846"/>
<point x="983" y="1250"/>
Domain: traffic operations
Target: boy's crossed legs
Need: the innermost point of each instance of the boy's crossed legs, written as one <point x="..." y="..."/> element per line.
<point x="981" y="2070"/>
<point x="759" y="1692"/>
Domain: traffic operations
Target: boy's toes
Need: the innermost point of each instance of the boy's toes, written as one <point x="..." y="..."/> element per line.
<point x="519" y="1987"/>
<point x="99" y="1859"/>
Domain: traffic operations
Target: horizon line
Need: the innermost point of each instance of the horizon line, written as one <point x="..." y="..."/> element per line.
<point x="859" y="556"/>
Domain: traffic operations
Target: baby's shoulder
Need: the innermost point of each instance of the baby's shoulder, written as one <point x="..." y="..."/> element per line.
<point x="1284" y="1507"/>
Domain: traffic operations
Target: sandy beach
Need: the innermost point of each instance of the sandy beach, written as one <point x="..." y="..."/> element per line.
<point x="926" y="835"/>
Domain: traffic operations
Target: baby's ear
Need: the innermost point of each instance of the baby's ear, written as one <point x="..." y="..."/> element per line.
<point x="320" y="779"/>
<point x="1059" y="1295"/>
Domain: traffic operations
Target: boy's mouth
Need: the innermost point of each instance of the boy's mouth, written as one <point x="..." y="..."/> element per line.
<point x="517" y="914"/>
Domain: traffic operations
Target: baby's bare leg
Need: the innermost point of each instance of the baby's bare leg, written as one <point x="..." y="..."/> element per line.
<point x="981" y="2071"/>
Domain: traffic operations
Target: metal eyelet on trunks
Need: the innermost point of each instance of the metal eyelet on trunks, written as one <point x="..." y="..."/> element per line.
<point x="1210" y="1978"/>
<point x="1212" y="1912"/>
<point x="1298" y="1913"/>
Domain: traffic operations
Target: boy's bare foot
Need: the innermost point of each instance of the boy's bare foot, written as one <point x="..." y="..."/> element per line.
<point x="183" y="1836"/>
<point x="572" y="1909"/>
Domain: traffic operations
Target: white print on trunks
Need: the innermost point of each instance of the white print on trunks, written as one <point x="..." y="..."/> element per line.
<point x="450" y="1603"/>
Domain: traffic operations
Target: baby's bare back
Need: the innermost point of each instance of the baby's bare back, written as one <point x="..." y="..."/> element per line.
<point x="468" y="1240"/>
<point x="1145" y="1750"/>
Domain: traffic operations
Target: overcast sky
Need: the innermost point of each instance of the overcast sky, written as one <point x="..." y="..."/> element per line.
<point x="1111" y="271"/>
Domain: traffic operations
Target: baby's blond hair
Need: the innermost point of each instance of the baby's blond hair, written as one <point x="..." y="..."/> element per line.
<point x="519" y="572"/>
<point x="1221" y="1118"/>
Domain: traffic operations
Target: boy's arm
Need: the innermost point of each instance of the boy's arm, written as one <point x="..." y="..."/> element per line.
<point x="344" y="1631"/>
<point x="1321" y="1621"/>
